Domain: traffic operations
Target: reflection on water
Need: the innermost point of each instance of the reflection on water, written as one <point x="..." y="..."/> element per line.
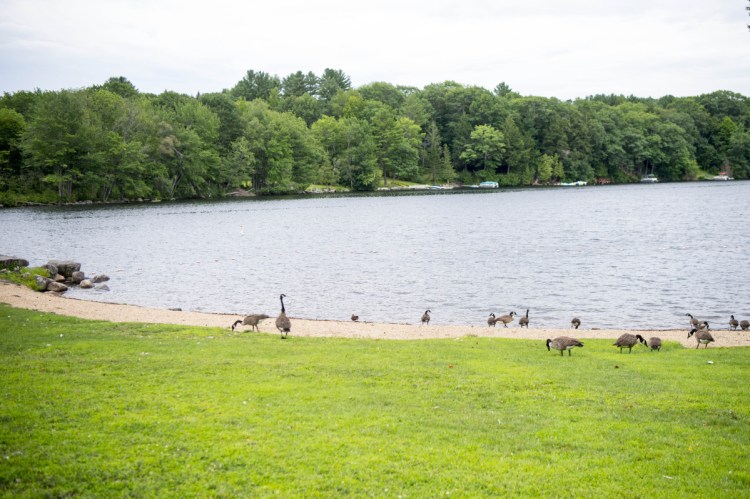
<point x="615" y="256"/>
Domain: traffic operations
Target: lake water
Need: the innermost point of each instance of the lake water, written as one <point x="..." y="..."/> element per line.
<point x="626" y="256"/>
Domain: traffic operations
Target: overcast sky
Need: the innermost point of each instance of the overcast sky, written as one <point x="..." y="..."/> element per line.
<point x="553" y="48"/>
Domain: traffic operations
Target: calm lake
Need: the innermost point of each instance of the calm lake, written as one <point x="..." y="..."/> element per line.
<point x="627" y="256"/>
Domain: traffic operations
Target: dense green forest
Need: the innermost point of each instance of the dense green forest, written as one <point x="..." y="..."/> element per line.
<point x="273" y="135"/>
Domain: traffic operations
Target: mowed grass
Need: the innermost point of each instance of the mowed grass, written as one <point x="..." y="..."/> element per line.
<point x="137" y="410"/>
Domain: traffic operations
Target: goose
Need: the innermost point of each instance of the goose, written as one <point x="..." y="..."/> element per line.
<point x="693" y="321"/>
<point x="628" y="340"/>
<point x="563" y="343"/>
<point x="703" y="325"/>
<point x="426" y="316"/>
<point x="492" y="320"/>
<point x="702" y="337"/>
<point x="744" y="325"/>
<point x="355" y="318"/>
<point x="524" y="321"/>
<point x="733" y="323"/>
<point x="250" y="320"/>
<point x="654" y="343"/>
<point x="283" y="324"/>
<point x="505" y="319"/>
<point x="575" y="322"/>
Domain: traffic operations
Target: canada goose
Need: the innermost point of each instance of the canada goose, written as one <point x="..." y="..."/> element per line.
<point x="491" y="320"/>
<point x="702" y="337"/>
<point x="693" y="321"/>
<point x="744" y="325"/>
<point x="629" y="341"/>
<point x="733" y="323"/>
<point x="505" y="319"/>
<point x="654" y="343"/>
<point x="575" y="322"/>
<point x="283" y="324"/>
<point x="426" y="316"/>
<point x="355" y="318"/>
<point x="524" y="321"/>
<point x="563" y="343"/>
<point x="703" y="325"/>
<point x="250" y="320"/>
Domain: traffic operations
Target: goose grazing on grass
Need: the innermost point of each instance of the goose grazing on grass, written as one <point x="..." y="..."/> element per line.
<point x="733" y="323"/>
<point x="505" y="319"/>
<point x="250" y="320"/>
<point x="426" y="316"/>
<point x="693" y="321"/>
<point x="744" y="325"/>
<point x="283" y="324"/>
<point x="355" y="318"/>
<point x="492" y="320"/>
<point x="524" y="321"/>
<point x="654" y="343"/>
<point x="563" y="343"/>
<point x="628" y="341"/>
<point x="575" y="322"/>
<point x="702" y="337"/>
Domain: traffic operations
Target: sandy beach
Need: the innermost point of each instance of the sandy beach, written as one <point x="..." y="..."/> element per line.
<point x="22" y="297"/>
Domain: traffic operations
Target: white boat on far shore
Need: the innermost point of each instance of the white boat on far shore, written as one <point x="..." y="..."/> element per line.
<point x="721" y="177"/>
<point x="577" y="183"/>
<point x="649" y="179"/>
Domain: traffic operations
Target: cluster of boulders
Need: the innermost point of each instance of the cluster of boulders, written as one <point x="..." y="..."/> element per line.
<point x="65" y="273"/>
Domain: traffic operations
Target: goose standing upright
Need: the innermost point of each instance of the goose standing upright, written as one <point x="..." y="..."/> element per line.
<point x="524" y="321"/>
<point x="426" y="316"/>
<point x="283" y="324"/>
<point x="733" y="323"/>
<point x="693" y="321"/>
<point x="491" y="320"/>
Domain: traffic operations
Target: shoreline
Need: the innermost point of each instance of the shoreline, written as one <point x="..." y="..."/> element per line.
<point x="19" y="296"/>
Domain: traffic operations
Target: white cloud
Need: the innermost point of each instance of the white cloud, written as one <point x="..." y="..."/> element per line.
<point x="539" y="47"/>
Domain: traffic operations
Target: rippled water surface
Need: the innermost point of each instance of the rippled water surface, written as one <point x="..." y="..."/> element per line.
<point x="615" y="256"/>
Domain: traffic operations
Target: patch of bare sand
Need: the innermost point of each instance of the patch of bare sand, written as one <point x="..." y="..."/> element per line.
<point x="22" y="297"/>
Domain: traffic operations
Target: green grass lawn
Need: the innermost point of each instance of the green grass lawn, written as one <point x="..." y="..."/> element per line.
<point x="105" y="409"/>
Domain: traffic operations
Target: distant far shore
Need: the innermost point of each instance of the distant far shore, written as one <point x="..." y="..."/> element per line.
<point x="21" y="297"/>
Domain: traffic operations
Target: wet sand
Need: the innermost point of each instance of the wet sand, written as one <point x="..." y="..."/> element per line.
<point x="22" y="297"/>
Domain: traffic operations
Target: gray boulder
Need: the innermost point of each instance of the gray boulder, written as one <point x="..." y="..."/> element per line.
<point x="41" y="282"/>
<point x="52" y="269"/>
<point x="11" y="262"/>
<point x="65" y="267"/>
<point x="86" y="284"/>
<point x="100" y="278"/>
<point x="77" y="276"/>
<point x="102" y="287"/>
<point x="56" y="287"/>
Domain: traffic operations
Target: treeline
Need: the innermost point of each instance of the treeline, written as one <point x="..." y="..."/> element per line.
<point x="276" y="135"/>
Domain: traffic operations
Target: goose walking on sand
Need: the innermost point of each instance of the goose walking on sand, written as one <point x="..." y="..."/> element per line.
<point x="505" y="319"/>
<point x="563" y="343"/>
<point x="283" y="324"/>
<point x="702" y="337"/>
<point x="628" y="341"/>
